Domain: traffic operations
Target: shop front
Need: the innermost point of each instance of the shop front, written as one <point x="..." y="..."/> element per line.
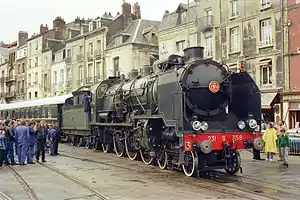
<point x="270" y="110"/>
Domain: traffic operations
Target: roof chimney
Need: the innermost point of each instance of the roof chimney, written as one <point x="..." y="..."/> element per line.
<point x="22" y="37"/>
<point x="43" y="29"/>
<point x="136" y="10"/>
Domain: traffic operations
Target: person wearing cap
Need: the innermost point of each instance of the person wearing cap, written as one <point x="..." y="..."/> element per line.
<point x="2" y="144"/>
<point x="10" y="138"/>
<point x="31" y="143"/>
<point x="52" y="136"/>
<point x="22" y="140"/>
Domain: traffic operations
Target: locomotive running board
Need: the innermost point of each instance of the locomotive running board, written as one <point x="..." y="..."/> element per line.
<point x="110" y="124"/>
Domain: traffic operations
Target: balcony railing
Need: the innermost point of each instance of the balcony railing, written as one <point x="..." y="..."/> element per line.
<point x="68" y="84"/>
<point x="98" y="54"/>
<point x="205" y="23"/>
<point x="10" y="78"/>
<point x="90" y="56"/>
<point x="80" y="58"/>
<point x="11" y="94"/>
<point x="68" y="60"/>
<point x="89" y="80"/>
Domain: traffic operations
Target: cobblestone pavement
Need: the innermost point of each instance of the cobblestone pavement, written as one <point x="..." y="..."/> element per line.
<point x="80" y="173"/>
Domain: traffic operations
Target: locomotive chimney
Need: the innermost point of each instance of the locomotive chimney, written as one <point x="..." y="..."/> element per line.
<point x="193" y="53"/>
<point x="133" y="73"/>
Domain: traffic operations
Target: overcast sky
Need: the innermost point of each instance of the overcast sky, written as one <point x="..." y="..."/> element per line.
<point x="27" y="15"/>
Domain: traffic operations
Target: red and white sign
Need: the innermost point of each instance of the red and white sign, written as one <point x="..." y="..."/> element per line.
<point x="214" y="86"/>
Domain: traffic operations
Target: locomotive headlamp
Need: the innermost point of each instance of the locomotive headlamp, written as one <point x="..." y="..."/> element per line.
<point x="204" y="126"/>
<point x="252" y="123"/>
<point x="196" y="125"/>
<point x="241" y="125"/>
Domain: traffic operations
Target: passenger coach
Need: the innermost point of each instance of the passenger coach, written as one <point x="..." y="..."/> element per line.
<point x="48" y="109"/>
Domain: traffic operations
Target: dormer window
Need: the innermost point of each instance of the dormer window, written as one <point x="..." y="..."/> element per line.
<point x="91" y="26"/>
<point x="99" y="23"/>
<point x="181" y="17"/>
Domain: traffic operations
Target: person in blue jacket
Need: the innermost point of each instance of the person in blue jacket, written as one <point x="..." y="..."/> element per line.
<point x="52" y="136"/>
<point x="10" y="136"/>
<point x="41" y="139"/>
<point x="2" y="144"/>
<point x="31" y="142"/>
<point x="22" y="140"/>
<point x="86" y="101"/>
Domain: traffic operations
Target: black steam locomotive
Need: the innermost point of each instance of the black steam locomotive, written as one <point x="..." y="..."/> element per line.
<point x="183" y="112"/>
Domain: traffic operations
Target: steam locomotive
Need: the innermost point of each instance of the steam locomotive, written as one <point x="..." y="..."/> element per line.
<point x="184" y="112"/>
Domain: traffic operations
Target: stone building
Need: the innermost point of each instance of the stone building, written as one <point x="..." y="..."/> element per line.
<point x="3" y="72"/>
<point x="21" y="66"/>
<point x="291" y="97"/>
<point x="85" y="48"/>
<point x="134" y="47"/>
<point x="10" y="80"/>
<point x="240" y="33"/>
<point x="39" y="59"/>
<point x="58" y="72"/>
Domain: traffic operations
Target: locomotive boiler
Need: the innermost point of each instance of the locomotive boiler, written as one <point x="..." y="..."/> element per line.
<point x="184" y="112"/>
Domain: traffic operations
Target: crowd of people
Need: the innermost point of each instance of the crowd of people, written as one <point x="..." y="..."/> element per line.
<point x="276" y="141"/>
<point x="26" y="140"/>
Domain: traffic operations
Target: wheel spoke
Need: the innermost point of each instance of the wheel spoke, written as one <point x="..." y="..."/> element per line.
<point x="118" y="145"/>
<point x="162" y="161"/>
<point x="130" y="151"/>
<point x="191" y="163"/>
<point x="147" y="159"/>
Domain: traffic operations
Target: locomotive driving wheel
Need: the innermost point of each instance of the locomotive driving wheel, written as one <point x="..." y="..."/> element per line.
<point x="119" y="145"/>
<point x="146" y="157"/>
<point x="235" y="163"/>
<point x="190" y="165"/>
<point x="130" y="149"/>
<point x="106" y="148"/>
<point x="162" y="160"/>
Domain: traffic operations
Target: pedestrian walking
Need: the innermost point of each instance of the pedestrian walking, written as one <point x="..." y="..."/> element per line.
<point x="280" y="126"/>
<point x="31" y="143"/>
<point x="2" y="144"/>
<point x="270" y="138"/>
<point x="284" y="144"/>
<point x="41" y="139"/>
<point x="22" y="138"/>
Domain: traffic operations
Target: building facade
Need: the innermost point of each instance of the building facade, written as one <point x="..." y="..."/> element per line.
<point x="39" y="57"/>
<point x="3" y="72"/>
<point x="21" y="66"/>
<point x="133" y="48"/>
<point x="242" y="34"/>
<point x="10" y="81"/>
<point x="58" y="73"/>
<point x="291" y="98"/>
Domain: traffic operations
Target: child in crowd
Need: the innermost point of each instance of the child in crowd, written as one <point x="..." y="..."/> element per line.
<point x="284" y="144"/>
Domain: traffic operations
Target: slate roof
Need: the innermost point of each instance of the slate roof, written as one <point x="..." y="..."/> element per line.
<point x="134" y="32"/>
<point x="170" y="20"/>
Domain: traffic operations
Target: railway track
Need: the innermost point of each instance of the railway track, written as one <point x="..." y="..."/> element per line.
<point x="249" y="191"/>
<point x="65" y="175"/>
<point x="4" y="196"/>
<point x="31" y="194"/>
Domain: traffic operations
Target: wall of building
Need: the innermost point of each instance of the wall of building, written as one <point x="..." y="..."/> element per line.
<point x="73" y="64"/>
<point x="58" y="75"/>
<point x="21" y="65"/>
<point x="34" y="67"/>
<point x="294" y="44"/>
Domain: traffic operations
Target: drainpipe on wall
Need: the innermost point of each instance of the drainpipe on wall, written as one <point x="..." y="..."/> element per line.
<point x="188" y="24"/>
<point x="282" y="44"/>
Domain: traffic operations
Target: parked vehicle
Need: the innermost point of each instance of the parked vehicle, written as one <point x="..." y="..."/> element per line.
<point x="294" y="135"/>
